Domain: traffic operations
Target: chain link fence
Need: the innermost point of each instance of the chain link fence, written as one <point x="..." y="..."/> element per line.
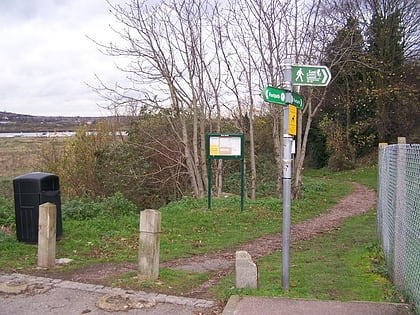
<point x="398" y="218"/>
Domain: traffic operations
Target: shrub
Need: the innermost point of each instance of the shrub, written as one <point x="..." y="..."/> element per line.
<point x="76" y="163"/>
<point x="80" y="209"/>
<point x="117" y="205"/>
<point x="6" y="188"/>
<point x="87" y="208"/>
<point x="340" y="149"/>
<point x="7" y="213"/>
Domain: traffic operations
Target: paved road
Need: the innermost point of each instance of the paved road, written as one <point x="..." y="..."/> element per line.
<point x="27" y="295"/>
<point x="251" y="305"/>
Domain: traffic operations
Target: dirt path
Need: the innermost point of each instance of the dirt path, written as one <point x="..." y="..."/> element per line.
<point x="359" y="201"/>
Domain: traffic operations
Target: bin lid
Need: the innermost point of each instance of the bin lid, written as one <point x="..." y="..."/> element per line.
<point x="35" y="182"/>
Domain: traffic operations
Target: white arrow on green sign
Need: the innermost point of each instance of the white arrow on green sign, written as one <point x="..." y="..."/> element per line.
<point x="310" y="75"/>
<point x="274" y="95"/>
<point x="278" y="96"/>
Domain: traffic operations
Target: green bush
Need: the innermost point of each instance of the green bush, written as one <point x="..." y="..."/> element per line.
<point x="6" y="188"/>
<point x="87" y="208"/>
<point x="80" y="209"/>
<point x="7" y="213"/>
<point x="117" y="205"/>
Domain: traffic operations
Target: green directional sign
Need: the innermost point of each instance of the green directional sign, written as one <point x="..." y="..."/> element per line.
<point x="278" y="96"/>
<point x="274" y="95"/>
<point x="310" y="75"/>
<point x="298" y="100"/>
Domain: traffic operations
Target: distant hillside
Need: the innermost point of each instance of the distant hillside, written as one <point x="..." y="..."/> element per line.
<point x="12" y="122"/>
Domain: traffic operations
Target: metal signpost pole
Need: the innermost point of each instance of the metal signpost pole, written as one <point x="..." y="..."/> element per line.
<point x="287" y="178"/>
<point x="293" y="75"/>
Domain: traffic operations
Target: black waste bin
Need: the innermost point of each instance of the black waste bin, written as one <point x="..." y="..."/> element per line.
<point x="32" y="190"/>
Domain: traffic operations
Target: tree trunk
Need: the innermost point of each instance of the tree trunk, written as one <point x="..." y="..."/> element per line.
<point x="191" y="168"/>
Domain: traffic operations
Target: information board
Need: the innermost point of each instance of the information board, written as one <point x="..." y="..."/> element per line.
<point x="225" y="146"/>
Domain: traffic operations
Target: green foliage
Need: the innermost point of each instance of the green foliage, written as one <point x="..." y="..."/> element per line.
<point x="77" y="164"/>
<point x="6" y="188"/>
<point x="386" y="36"/>
<point x="374" y="94"/>
<point x="367" y="176"/>
<point x="86" y="208"/>
<point x="148" y="166"/>
<point x="341" y="152"/>
<point x="317" y="147"/>
<point x="336" y="265"/>
<point x="7" y="212"/>
<point x="377" y="259"/>
<point x="176" y="282"/>
<point x="125" y="168"/>
<point x="107" y="229"/>
<point x="333" y="266"/>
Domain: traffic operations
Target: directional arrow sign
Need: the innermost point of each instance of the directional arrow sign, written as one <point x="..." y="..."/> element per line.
<point x="298" y="100"/>
<point x="310" y="75"/>
<point x="278" y="96"/>
<point x="274" y="95"/>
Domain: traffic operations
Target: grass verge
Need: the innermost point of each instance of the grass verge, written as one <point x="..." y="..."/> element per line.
<point x="340" y="265"/>
<point x="188" y="228"/>
<point x="337" y="265"/>
<point x="172" y="282"/>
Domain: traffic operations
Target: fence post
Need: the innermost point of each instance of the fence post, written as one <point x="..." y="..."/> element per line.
<point x="149" y="246"/>
<point x="400" y="214"/>
<point x="47" y="235"/>
<point x="381" y="193"/>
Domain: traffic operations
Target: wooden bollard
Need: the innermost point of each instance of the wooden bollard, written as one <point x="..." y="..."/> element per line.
<point x="149" y="246"/>
<point x="47" y="235"/>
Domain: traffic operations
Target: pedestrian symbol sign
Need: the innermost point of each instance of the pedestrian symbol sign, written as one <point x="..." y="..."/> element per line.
<point x="310" y="75"/>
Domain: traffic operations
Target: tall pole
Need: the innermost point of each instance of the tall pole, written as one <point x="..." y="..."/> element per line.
<point x="242" y="183"/>
<point x="287" y="178"/>
<point x="209" y="175"/>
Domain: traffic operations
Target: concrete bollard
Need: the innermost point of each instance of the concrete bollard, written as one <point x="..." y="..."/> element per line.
<point x="246" y="273"/>
<point x="149" y="244"/>
<point x="47" y="235"/>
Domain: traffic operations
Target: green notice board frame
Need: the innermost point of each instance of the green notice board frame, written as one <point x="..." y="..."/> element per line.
<point x="225" y="146"/>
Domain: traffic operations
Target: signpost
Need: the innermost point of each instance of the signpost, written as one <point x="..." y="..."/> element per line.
<point x="310" y="75"/>
<point x="293" y="75"/>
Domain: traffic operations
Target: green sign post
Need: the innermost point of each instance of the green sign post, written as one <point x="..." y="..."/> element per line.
<point x="225" y="147"/>
<point x="293" y="75"/>
<point x="310" y="75"/>
<point x="279" y="96"/>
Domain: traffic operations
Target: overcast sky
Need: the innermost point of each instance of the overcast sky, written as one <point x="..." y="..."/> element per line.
<point x="46" y="58"/>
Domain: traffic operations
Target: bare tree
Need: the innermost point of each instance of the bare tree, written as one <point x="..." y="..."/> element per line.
<point x="166" y="45"/>
<point x="264" y="41"/>
<point x="190" y="58"/>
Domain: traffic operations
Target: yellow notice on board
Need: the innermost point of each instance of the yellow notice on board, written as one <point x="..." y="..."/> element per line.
<point x="292" y="120"/>
<point x="214" y="149"/>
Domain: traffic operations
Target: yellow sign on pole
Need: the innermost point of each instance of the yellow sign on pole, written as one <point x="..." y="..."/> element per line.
<point x="292" y="120"/>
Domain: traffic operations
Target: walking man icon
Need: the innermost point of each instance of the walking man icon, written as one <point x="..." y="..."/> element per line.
<point x="299" y="75"/>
